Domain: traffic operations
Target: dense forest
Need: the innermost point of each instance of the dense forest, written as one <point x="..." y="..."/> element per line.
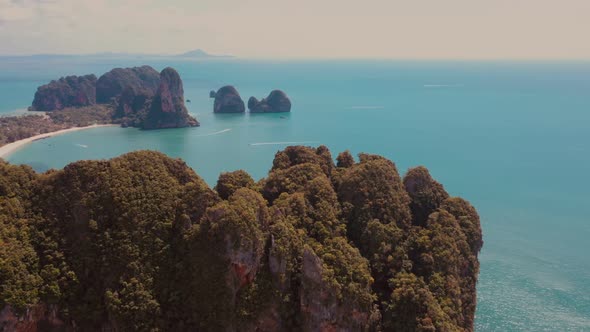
<point x="141" y="243"/>
<point x="14" y="128"/>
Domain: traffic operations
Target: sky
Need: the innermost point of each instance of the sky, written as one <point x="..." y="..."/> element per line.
<point x="397" y="29"/>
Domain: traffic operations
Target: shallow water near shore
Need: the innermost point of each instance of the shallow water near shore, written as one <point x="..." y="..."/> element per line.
<point x="513" y="138"/>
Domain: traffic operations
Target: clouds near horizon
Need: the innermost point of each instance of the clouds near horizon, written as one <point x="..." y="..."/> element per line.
<point x="464" y="29"/>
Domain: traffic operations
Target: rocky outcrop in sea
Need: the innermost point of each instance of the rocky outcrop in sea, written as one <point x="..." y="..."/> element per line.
<point x="276" y="102"/>
<point x="139" y="96"/>
<point x="228" y="100"/>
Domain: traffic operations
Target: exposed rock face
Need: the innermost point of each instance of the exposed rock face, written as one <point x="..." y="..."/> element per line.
<point x="321" y="307"/>
<point x="228" y="100"/>
<point x="143" y="80"/>
<point x="276" y="102"/>
<point x="70" y="91"/>
<point x="132" y="105"/>
<point x="167" y="108"/>
<point x="140" y="96"/>
<point x="130" y="90"/>
<point x="36" y="318"/>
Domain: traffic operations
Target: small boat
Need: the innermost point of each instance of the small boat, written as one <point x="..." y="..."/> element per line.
<point x="188" y="100"/>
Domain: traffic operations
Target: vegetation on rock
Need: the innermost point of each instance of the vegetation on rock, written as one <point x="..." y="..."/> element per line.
<point x="70" y="91"/>
<point x="141" y="243"/>
<point x="14" y="128"/>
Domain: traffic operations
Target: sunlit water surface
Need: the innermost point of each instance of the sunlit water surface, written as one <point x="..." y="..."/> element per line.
<point x="513" y="138"/>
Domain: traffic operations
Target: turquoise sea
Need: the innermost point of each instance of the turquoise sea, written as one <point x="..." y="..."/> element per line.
<point x="511" y="137"/>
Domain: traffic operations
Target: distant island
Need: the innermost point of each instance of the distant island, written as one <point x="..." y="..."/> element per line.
<point x="141" y="243"/>
<point x="131" y="97"/>
<point x="200" y="54"/>
<point x="228" y="100"/>
<point x="194" y="54"/>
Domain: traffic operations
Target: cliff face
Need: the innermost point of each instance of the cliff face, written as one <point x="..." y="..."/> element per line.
<point x="140" y="96"/>
<point x="140" y="242"/>
<point x="167" y="108"/>
<point x="276" y="102"/>
<point x="143" y="80"/>
<point x="228" y="100"/>
<point x="130" y="91"/>
<point x="70" y="91"/>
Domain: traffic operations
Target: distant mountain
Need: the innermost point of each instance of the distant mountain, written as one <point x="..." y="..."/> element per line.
<point x="199" y="53"/>
<point x="195" y="54"/>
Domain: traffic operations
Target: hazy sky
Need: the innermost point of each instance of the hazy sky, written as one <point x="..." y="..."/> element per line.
<point x="466" y="29"/>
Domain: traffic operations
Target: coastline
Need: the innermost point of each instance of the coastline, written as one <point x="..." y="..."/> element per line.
<point x="9" y="148"/>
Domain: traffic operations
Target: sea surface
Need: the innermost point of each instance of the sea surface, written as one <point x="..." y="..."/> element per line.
<point x="511" y="137"/>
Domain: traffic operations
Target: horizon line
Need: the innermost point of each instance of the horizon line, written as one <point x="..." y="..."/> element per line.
<point x="209" y="56"/>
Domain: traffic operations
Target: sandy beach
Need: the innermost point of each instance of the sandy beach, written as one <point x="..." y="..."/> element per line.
<point x="9" y="148"/>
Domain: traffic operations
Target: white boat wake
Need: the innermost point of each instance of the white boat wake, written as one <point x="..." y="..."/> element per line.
<point x="215" y="133"/>
<point x="367" y="107"/>
<point x="82" y="146"/>
<point x="282" y="143"/>
<point x="443" y="85"/>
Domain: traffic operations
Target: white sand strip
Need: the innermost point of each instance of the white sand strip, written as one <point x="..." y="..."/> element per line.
<point x="9" y="148"/>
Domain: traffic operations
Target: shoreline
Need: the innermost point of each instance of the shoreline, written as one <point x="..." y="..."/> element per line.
<point x="9" y="148"/>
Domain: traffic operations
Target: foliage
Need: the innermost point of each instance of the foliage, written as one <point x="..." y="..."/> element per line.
<point x="369" y="190"/>
<point x="345" y="159"/>
<point x="14" y="128"/>
<point x="19" y="269"/>
<point x="296" y="155"/>
<point x="229" y="182"/>
<point x="427" y="194"/>
<point x="141" y="243"/>
<point x="82" y="116"/>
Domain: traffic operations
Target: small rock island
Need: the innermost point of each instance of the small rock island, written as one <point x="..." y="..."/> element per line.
<point x="134" y="97"/>
<point x="228" y="100"/>
<point x="276" y="102"/>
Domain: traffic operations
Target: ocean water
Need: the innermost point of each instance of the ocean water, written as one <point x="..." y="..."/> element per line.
<point x="511" y="137"/>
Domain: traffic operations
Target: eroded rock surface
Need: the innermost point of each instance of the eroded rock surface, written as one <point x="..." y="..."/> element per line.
<point x="228" y="100"/>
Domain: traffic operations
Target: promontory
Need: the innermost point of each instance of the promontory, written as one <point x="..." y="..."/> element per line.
<point x="138" y="97"/>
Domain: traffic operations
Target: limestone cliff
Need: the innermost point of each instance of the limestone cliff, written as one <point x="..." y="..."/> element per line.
<point x="70" y="91"/>
<point x="139" y="97"/>
<point x="228" y="100"/>
<point x="167" y="109"/>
